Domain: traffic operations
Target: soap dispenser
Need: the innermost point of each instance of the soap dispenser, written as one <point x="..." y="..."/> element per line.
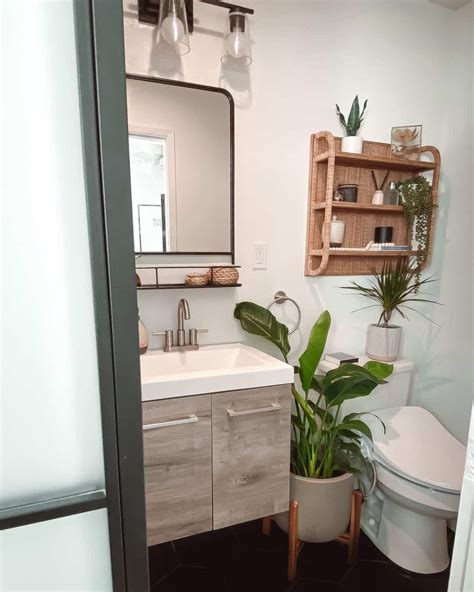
<point x="142" y="336"/>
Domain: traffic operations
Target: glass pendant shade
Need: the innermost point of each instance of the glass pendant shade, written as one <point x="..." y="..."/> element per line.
<point x="237" y="47"/>
<point x="173" y="36"/>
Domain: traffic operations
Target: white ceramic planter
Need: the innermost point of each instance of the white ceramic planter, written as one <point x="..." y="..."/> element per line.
<point x="324" y="507"/>
<point x="352" y="144"/>
<point x="383" y="343"/>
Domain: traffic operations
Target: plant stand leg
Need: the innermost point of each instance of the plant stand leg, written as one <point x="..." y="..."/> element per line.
<point x="267" y="525"/>
<point x="294" y="545"/>
<point x="354" y="531"/>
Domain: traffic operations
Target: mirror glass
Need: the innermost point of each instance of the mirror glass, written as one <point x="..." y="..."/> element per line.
<point x="181" y="151"/>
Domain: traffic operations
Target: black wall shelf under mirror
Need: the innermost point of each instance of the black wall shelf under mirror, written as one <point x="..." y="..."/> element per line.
<point x="168" y="277"/>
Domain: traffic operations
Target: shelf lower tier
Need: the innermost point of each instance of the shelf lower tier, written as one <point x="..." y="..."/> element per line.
<point x="362" y="253"/>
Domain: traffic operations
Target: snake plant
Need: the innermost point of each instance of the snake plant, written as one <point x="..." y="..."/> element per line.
<point x="356" y="117"/>
<point x="325" y="443"/>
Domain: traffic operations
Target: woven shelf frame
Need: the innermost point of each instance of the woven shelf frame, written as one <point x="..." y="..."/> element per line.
<point x="329" y="168"/>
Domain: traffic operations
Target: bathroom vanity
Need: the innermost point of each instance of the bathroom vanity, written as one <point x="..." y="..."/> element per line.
<point x="216" y="428"/>
<point x="216" y="419"/>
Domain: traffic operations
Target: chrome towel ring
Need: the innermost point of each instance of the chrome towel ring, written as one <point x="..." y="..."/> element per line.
<point x="279" y="298"/>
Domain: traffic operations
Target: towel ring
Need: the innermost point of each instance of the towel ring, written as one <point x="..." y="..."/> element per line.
<point x="279" y="298"/>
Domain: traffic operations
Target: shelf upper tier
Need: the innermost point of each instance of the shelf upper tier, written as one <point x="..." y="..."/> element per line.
<point x="360" y="207"/>
<point x="377" y="162"/>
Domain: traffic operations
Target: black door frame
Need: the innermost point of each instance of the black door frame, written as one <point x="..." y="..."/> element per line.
<point x="102" y="91"/>
<point x="101" y="57"/>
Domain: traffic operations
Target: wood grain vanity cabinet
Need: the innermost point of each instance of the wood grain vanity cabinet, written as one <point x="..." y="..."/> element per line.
<point x="250" y="454"/>
<point x="215" y="460"/>
<point x="178" y="468"/>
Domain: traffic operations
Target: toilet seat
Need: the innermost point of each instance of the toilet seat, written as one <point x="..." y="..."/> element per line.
<point x="416" y="495"/>
<point x="418" y="448"/>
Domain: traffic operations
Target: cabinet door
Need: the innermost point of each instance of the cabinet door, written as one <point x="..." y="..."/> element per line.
<point x="178" y="470"/>
<point x="251" y="454"/>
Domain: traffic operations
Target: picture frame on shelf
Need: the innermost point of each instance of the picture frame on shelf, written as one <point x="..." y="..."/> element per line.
<point x="406" y="142"/>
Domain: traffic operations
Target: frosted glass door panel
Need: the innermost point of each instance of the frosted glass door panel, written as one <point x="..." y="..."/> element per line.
<point x="51" y="440"/>
<point x="57" y="556"/>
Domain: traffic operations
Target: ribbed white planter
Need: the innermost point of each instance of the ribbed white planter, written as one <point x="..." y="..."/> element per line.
<point x="324" y="507"/>
<point x="352" y="144"/>
<point x="383" y="343"/>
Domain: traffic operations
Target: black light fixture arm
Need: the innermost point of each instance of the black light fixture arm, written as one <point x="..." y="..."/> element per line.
<point x="229" y="6"/>
<point x="149" y="10"/>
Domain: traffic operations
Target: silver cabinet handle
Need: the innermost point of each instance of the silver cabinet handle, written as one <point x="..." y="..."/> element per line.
<point x="173" y="422"/>
<point x="273" y="407"/>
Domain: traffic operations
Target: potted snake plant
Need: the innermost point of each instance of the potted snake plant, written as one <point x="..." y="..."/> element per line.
<point x="351" y="142"/>
<point x="325" y="446"/>
<point x="395" y="289"/>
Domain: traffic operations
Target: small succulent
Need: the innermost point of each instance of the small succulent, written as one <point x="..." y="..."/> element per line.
<point x="355" y="118"/>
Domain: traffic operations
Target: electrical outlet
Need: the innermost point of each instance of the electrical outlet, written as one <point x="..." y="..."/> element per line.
<point x="259" y="256"/>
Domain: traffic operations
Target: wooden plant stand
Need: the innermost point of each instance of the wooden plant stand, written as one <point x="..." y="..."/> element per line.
<point x="349" y="538"/>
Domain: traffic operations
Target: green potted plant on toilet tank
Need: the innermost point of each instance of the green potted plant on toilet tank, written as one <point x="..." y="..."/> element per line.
<point x="395" y="289"/>
<point x="325" y="446"/>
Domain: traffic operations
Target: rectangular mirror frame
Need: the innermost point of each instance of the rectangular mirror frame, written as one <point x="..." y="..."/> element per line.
<point x="230" y="253"/>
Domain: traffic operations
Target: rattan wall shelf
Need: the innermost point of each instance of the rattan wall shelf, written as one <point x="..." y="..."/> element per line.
<point x="329" y="167"/>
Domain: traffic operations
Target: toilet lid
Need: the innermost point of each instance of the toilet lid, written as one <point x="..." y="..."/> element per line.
<point x="417" y="447"/>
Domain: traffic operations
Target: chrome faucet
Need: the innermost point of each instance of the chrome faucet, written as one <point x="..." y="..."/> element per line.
<point x="183" y="314"/>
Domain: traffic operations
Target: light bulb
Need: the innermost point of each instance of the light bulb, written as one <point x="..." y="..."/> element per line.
<point x="172" y="29"/>
<point x="237" y="44"/>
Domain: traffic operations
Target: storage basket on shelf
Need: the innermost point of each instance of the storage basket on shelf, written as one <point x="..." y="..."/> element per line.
<point x="224" y="276"/>
<point x="198" y="279"/>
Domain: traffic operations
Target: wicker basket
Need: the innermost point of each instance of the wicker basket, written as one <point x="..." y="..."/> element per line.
<point x="198" y="279"/>
<point x="225" y="276"/>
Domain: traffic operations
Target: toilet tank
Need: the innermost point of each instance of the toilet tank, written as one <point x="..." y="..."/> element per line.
<point x="393" y="394"/>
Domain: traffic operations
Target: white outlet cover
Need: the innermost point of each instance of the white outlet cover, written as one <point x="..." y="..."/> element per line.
<point x="259" y="255"/>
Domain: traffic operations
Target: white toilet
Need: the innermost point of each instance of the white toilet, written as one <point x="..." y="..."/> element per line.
<point x="419" y="467"/>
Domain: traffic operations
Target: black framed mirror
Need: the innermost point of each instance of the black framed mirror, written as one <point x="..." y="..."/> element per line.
<point x="181" y="143"/>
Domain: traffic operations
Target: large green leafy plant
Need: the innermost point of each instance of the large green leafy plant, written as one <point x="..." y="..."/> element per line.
<point x="355" y="118"/>
<point x="324" y="444"/>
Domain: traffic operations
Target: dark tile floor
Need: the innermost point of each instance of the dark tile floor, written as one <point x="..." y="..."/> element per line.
<point x="241" y="559"/>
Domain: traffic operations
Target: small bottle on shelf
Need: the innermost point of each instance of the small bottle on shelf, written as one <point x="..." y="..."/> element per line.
<point x="337" y="232"/>
<point x="391" y="196"/>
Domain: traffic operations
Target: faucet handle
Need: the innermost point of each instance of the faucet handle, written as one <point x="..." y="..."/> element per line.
<point x="193" y="333"/>
<point x="168" y="334"/>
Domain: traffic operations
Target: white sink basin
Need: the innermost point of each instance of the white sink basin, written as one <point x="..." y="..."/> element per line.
<point x="210" y="369"/>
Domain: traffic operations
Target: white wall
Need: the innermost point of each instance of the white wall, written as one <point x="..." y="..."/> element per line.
<point x="412" y="61"/>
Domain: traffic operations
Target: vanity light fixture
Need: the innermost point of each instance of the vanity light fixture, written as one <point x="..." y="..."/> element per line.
<point x="175" y="22"/>
<point x="237" y="48"/>
<point x="173" y="34"/>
